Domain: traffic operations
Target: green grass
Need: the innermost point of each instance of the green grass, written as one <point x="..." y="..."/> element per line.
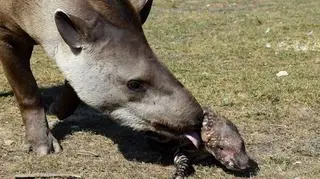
<point x="227" y="53"/>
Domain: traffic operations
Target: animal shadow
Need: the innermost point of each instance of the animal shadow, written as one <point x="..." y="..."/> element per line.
<point x="252" y="171"/>
<point x="131" y="144"/>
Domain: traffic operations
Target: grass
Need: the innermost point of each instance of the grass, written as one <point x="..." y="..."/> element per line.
<point x="228" y="54"/>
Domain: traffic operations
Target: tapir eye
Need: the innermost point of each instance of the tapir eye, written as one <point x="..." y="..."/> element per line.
<point x="136" y="85"/>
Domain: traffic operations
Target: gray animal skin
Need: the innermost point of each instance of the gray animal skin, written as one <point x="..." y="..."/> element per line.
<point x="100" y="47"/>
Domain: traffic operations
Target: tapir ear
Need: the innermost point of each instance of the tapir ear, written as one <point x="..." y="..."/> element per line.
<point x="69" y="30"/>
<point x="143" y="8"/>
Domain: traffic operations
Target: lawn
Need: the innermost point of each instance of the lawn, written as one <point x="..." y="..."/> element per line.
<point x="228" y="54"/>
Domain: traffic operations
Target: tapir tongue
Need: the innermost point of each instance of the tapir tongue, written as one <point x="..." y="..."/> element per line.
<point x="194" y="137"/>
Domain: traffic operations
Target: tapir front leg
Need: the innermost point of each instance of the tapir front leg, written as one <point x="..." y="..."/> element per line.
<point x="15" y="55"/>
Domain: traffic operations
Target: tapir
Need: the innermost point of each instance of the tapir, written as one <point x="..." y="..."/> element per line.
<point x="101" y="49"/>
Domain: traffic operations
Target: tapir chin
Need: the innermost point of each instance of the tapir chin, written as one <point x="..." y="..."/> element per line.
<point x="100" y="47"/>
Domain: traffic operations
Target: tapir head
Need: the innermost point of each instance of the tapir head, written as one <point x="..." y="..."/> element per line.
<point x="106" y="58"/>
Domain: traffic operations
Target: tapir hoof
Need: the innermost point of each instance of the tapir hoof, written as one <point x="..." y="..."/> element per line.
<point x="51" y="145"/>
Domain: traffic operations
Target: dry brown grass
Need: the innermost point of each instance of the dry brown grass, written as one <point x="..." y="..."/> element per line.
<point x="227" y="53"/>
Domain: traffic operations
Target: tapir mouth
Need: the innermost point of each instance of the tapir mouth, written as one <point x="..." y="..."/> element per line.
<point x="192" y="133"/>
<point x="194" y="137"/>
